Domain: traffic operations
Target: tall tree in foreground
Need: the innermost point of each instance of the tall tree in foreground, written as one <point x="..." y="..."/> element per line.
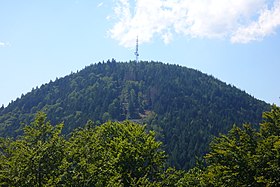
<point x="35" y="158"/>
<point x="113" y="154"/>
<point x="243" y="157"/>
<point x="123" y="154"/>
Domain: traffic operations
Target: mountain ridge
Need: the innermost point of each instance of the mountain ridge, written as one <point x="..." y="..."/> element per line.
<point x="184" y="106"/>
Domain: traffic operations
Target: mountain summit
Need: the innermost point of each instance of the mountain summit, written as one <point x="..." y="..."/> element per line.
<point x="184" y="106"/>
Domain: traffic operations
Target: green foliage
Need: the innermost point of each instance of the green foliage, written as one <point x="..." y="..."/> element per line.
<point x="171" y="177"/>
<point x="243" y="157"/>
<point x="137" y="152"/>
<point x="126" y="154"/>
<point x="113" y="154"/>
<point x="35" y="158"/>
<point x="187" y="106"/>
<point x="116" y="152"/>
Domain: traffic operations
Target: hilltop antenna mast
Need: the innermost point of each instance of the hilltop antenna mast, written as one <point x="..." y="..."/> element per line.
<point x="136" y="51"/>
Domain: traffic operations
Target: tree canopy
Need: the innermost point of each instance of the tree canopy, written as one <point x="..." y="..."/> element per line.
<point x="127" y="154"/>
<point x="243" y="157"/>
<point x="113" y="154"/>
<point x="35" y="158"/>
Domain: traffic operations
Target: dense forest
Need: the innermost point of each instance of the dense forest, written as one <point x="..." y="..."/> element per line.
<point x="126" y="154"/>
<point x="185" y="107"/>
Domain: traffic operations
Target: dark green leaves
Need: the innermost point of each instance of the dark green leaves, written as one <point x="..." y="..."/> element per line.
<point x="114" y="151"/>
<point x="113" y="154"/>
<point x="35" y="158"/>
<point x="243" y="157"/>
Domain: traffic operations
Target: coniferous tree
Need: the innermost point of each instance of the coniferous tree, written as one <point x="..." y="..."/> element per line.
<point x="243" y="157"/>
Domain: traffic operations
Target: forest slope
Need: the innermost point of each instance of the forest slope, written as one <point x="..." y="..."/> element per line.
<point x="184" y="106"/>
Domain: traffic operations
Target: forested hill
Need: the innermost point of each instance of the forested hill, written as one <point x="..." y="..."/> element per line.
<point x="184" y="106"/>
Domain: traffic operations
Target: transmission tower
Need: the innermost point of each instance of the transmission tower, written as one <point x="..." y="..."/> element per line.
<point x="136" y="51"/>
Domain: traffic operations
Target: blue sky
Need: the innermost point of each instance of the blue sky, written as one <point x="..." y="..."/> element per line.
<point x="235" y="41"/>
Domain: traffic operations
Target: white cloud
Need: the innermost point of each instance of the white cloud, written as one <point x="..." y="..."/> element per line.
<point x="237" y="20"/>
<point x="100" y="4"/>
<point x="5" y="44"/>
<point x="167" y="37"/>
<point x="268" y="22"/>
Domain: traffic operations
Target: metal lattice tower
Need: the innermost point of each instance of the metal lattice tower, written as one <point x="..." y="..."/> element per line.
<point x="136" y="51"/>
